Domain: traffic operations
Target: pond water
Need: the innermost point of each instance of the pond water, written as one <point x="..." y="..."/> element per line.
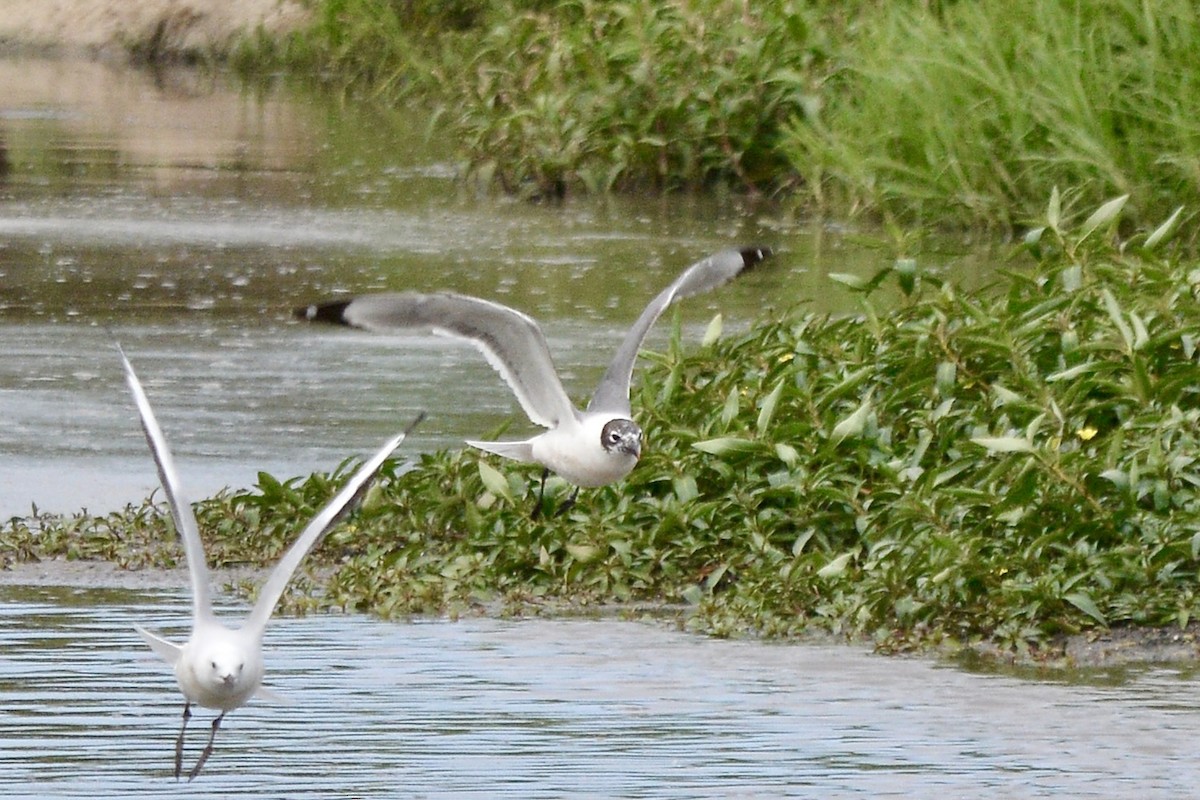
<point x="558" y="709"/>
<point x="187" y="217"/>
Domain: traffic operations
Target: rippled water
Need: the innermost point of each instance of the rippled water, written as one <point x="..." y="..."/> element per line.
<point x="565" y="708"/>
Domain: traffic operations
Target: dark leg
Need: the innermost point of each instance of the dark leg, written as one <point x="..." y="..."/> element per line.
<point x="187" y="714"/>
<point x="568" y="504"/>
<point x="208" y="748"/>
<point x="537" y="509"/>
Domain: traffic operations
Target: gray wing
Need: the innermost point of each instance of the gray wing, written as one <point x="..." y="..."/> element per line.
<point x="272" y="590"/>
<point x="511" y="341"/>
<point x="612" y="394"/>
<point x="181" y="509"/>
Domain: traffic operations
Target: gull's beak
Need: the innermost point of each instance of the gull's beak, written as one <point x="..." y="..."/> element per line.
<point x="632" y="445"/>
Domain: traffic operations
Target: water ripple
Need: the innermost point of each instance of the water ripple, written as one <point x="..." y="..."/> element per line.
<point x="552" y="709"/>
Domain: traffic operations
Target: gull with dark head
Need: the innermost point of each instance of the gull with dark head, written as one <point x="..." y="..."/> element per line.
<point x="220" y="667"/>
<point x="588" y="448"/>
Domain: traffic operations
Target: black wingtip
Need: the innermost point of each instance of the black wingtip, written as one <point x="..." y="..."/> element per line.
<point x="753" y="256"/>
<point x="332" y="312"/>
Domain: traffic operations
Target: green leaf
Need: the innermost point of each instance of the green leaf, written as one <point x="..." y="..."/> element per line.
<point x="837" y="566"/>
<point x="685" y="488"/>
<point x="1072" y="373"/>
<point x="1006" y="397"/>
<point x="1164" y="232"/>
<point x="732" y="406"/>
<point x="1102" y="216"/>
<point x="1004" y="444"/>
<point x="787" y="454"/>
<point x="1085" y="604"/>
<point x="713" y="332"/>
<point x="1118" y="478"/>
<point x="848" y="279"/>
<point x="1140" y="335"/>
<point x="725" y="444"/>
<point x="494" y="481"/>
<point x="768" y="407"/>
<point x="853" y="425"/>
<point x="582" y="553"/>
<point x="1054" y="209"/>
<point x="1118" y="318"/>
<point x="802" y="540"/>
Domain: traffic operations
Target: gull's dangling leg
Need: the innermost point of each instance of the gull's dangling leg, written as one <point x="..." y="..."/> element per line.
<point x="187" y="714"/>
<point x="537" y="509"/>
<point x="208" y="748"/>
<point x="568" y="504"/>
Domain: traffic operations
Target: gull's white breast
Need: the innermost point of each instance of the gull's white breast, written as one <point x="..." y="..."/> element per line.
<point x="574" y="451"/>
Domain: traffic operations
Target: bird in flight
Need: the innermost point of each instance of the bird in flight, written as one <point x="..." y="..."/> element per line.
<point x="220" y="667"/>
<point x="588" y="448"/>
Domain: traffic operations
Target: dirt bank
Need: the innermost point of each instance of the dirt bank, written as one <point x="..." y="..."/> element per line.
<point x="157" y="27"/>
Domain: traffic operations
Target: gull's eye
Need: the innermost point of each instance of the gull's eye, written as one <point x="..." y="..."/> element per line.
<point x="214" y="664"/>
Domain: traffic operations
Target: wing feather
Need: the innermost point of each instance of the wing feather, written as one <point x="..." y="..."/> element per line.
<point x="612" y="393"/>
<point x="325" y="519"/>
<point x="511" y="342"/>
<point x="181" y="509"/>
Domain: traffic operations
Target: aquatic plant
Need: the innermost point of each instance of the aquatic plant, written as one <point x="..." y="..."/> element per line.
<point x="1005" y="464"/>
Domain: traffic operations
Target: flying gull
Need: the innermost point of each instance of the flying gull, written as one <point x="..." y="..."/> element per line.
<point x="220" y="667"/>
<point x="591" y="448"/>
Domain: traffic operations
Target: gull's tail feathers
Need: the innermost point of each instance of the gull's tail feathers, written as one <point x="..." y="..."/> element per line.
<point x="332" y="312"/>
<point x="271" y="696"/>
<point x="517" y="451"/>
<point x="168" y="651"/>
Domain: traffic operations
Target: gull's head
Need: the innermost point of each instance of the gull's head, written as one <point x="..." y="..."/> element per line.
<point x="222" y="666"/>
<point x="622" y="437"/>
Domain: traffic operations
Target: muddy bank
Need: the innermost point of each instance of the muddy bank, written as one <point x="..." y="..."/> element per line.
<point x="160" y="28"/>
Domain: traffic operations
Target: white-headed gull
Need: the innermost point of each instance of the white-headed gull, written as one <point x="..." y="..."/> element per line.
<point x="220" y="667"/>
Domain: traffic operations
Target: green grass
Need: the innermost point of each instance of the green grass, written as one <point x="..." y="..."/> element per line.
<point x="957" y="115"/>
<point x="1005" y="465"/>
<point x="973" y="114"/>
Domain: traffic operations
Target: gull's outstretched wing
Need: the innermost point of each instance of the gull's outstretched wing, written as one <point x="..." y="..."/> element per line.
<point x="181" y="509"/>
<point x="272" y="590"/>
<point x="167" y="651"/>
<point x="612" y="394"/>
<point x="511" y="341"/>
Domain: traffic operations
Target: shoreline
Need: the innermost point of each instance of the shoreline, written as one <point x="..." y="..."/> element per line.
<point x="153" y="29"/>
<point x="1115" y="648"/>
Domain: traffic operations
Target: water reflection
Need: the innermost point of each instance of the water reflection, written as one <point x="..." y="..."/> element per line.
<point x="568" y="708"/>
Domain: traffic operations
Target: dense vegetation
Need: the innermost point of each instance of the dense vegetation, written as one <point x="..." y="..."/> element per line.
<point x="1006" y="464"/>
<point x="924" y="112"/>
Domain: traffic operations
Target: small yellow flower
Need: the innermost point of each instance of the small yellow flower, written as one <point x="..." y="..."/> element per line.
<point x="1086" y="433"/>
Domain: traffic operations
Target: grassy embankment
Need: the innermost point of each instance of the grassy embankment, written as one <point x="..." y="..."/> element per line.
<point x="930" y="114"/>
<point x="1005" y="466"/>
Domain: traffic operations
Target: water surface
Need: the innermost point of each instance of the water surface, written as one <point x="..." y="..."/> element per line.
<point x="558" y="709"/>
